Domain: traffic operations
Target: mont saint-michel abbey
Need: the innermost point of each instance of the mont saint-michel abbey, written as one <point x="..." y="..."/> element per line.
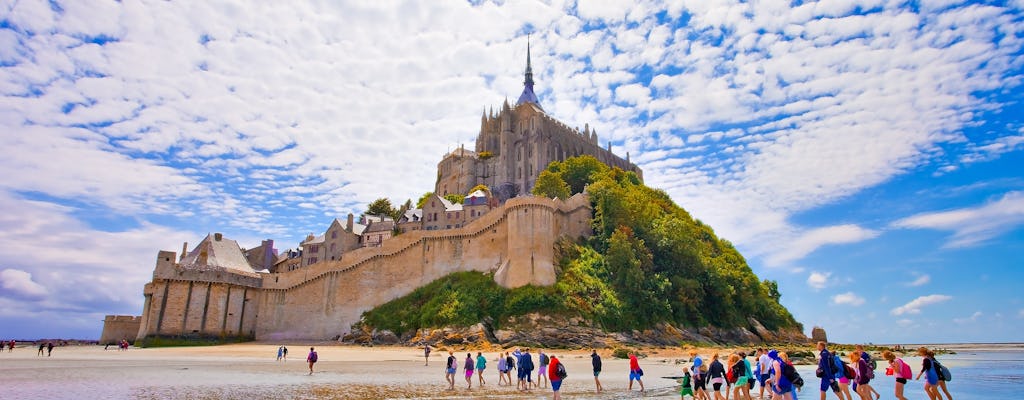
<point x="317" y="291"/>
<point x="517" y="143"/>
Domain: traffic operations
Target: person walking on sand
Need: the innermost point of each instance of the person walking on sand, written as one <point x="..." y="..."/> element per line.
<point x="502" y="366"/>
<point x="10" y="345"/>
<point x="280" y="353"/>
<point x="481" y="365"/>
<point x="542" y="372"/>
<point x="556" y="373"/>
<point x="635" y="372"/>
<point x="595" y="361"/>
<point x="285" y="352"/>
<point x="764" y="367"/>
<point x="742" y="373"/>
<point x="526" y="368"/>
<point x="930" y="372"/>
<point x="49" y="349"/>
<point x="510" y="364"/>
<point x="468" y="367"/>
<point x="449" y="370"/>
<point x="900" y="370"/>
<point x="311" y="359"/>
<point x="699" y="384"/>
<point x="716" y="376"/>
<point x="426" y="354"/>
<point x="41" y="347"/>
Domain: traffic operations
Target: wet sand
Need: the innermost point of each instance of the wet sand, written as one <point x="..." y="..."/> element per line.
<point x="250" y="371"/>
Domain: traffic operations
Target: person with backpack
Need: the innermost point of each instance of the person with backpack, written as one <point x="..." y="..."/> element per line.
<point x="930" y="372"/>
<point x="764" y="367"/>
<point x="943" y="374"/>
<point x="845" y="378"/>
<point x="449" y="370"/>
<point x="311" y="358"/>
<point x="864" y="375"/>
<point x="827" y="371"/>
<point x="556" y="373"/>
<point x="635" y="373"/>
<point x="699" y="373"/>
<point x="742" y="374"/>
<point x="782" y="384"/>
<point x="502" y="368"/>
<point x="864" y="355"/>
<point x="542" y="372"/>
<point x="510" y="364"/>
<point x="526" y="370"/>
<point x="900" y="370"/>
<point x="595" y="361"/>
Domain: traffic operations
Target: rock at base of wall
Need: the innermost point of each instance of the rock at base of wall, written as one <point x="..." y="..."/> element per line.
<point x="545" y="331"/>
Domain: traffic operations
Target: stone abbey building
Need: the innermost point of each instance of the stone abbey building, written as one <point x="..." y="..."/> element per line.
<point x="218" y="289"/>
<point x="515" y="145"/>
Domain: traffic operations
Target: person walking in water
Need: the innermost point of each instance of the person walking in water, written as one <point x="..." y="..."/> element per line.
<point x="311" y="359"/>
<point x="635" y="372"/>
<point x="900" y="370"/>
<point x="449" y="370"/>
<point x="481" y="365"/>
<point x="930" y="372"/>
<point x="826" y="364"/>
<point x="468" y="366"/>
<point x="595" y="361"/>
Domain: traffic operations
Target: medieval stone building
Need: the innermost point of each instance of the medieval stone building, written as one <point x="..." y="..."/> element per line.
<point x="515" y="145"/>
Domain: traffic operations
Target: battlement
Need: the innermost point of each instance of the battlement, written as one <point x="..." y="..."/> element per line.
<point x="122" y="318"/>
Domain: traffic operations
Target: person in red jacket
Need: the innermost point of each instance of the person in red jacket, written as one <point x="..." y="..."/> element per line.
<point x="556" y="372"/>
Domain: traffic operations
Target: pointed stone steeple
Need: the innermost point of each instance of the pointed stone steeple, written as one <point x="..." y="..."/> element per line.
<point x="528" y="96"/>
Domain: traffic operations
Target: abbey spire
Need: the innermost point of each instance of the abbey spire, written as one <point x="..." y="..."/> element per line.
<point x="528" y="95"/>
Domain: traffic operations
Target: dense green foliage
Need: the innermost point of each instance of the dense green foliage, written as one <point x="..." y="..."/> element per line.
<point x="648" y="262"/>
<point x="455" y="198"/>
<point x="423" y="199"/>
<point x="382" y="208"/>
<point x="459" y="299"/>
<point x="550" y="185"/>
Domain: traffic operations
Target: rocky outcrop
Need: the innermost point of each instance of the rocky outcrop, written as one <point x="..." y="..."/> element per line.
<point x="818" y="334"/>
<point x="546" y="331"/>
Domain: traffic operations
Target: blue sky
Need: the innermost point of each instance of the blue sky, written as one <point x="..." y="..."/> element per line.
<point x="867" y="155"/>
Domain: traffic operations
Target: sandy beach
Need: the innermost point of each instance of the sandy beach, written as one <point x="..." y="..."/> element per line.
<point x="250" y="371"/>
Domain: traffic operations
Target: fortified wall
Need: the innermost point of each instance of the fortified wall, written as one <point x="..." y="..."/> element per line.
<point x="515" y="241"/>
<point x="118" y="327"/>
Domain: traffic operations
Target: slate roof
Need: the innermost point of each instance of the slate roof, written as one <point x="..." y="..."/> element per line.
<point x="224" y="253"/>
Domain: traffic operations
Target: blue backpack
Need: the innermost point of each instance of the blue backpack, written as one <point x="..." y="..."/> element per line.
<point x="838" y="369"/>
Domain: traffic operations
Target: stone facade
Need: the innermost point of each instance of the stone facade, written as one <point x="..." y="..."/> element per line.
<point x="321" y="301"/>
<point x="118" y="327"/>
<point x="515" y="145"/>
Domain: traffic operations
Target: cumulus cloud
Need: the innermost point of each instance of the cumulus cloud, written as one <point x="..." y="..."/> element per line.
<point x="848" y="298"/>
<point x="974" y="225"/>
<point x="19" y="284"/>
<point x="818" y="280"/>
<point x="914" y="306"/>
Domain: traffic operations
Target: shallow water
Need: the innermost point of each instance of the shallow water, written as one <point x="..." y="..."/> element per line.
<point x="89" y="373"/>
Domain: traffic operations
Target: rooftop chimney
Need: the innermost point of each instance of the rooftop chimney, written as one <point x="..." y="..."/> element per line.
<point x="218" y="236"/>
<point x="348" y="223"/>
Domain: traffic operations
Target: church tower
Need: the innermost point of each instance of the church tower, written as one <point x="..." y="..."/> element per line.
<point x="528" y="95"/>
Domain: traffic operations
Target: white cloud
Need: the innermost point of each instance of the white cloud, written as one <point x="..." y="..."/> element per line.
<point x="974" y="225"/>
<point x="921" y="280"/>
<point x="914" y="306"/>
<point x="807" y="241"/>
<point x="973" y="318"/>
<point x="848" y="298"/>
<point x="19" y="284"/>
<point x="818" y="280"/>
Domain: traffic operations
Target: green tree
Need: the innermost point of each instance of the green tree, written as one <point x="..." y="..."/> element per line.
<point x="580" y="171"/>
<point x="481" y="187"/>
<point x="455" y="198"/>
<point x="423" y="199"/>
<point x="381" y="208"/>
<point x="549" y="184"/>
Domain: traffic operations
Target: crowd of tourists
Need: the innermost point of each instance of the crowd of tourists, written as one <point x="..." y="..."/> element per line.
<point x="776" y="376"/>
<point x="734" y="376"/>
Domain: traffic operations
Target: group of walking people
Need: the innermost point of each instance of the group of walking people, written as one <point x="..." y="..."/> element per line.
<point x="549" y="369"/>
<point x="778" y="377"/>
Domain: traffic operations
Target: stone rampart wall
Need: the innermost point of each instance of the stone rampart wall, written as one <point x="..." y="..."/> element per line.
<point x="323" y="300"/>
<point x="117" y="327"/>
